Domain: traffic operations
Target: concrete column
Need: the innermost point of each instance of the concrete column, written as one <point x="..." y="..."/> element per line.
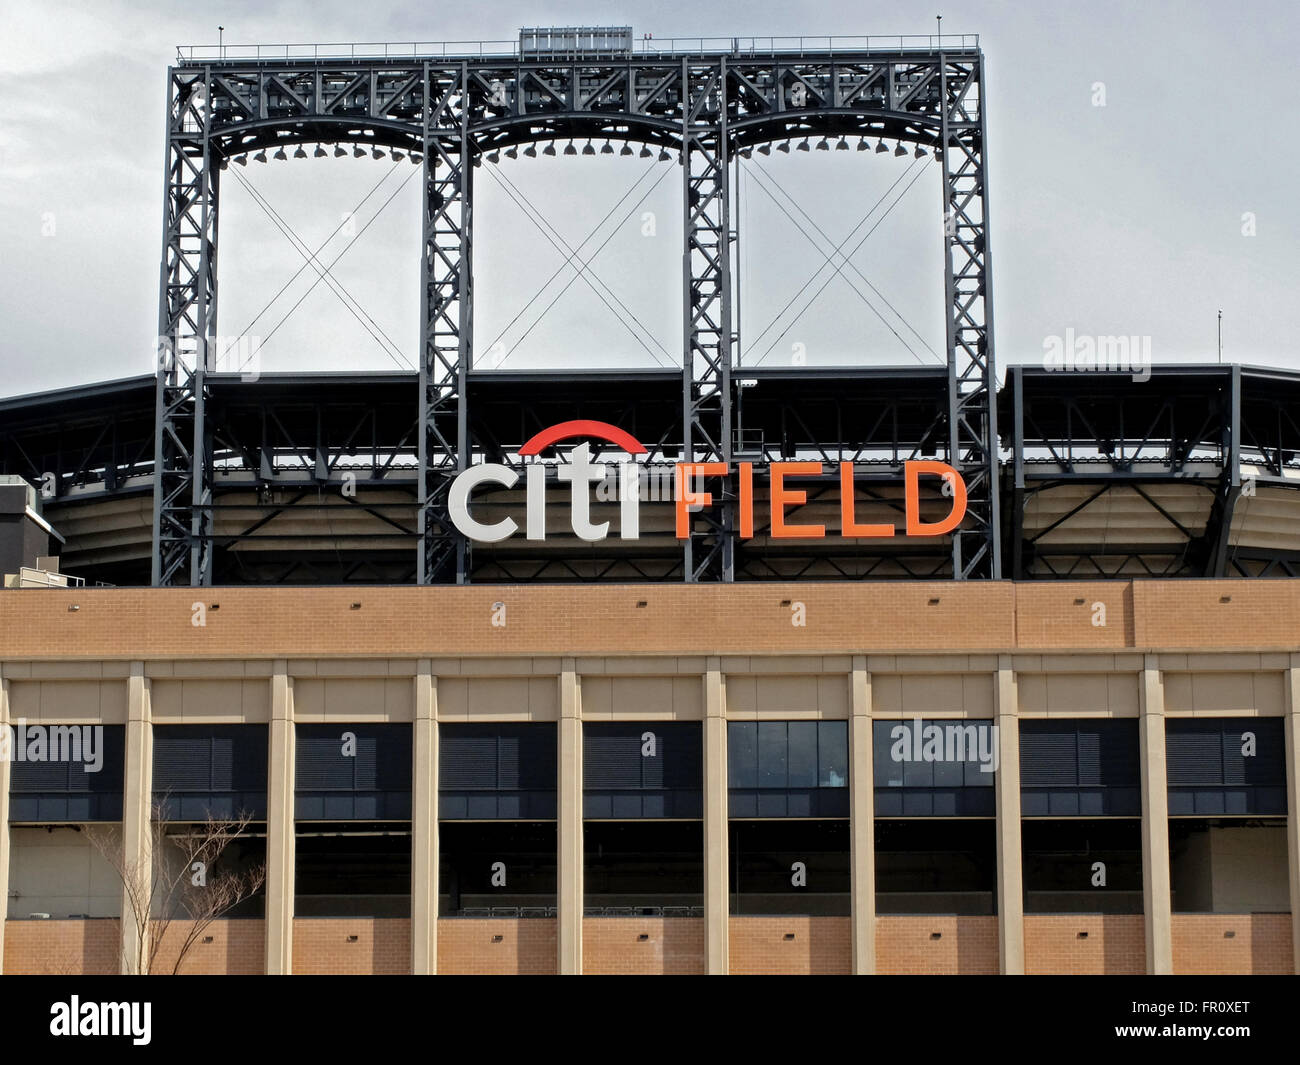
<point x="569" y="827"/>
<point x="280" y="844"/>
<point x="862" y="831"/>
<point x="137" y="823"/>
<point x="1155" y="821"/>
<point x="424" y="825"/>
<point x="1291" y="727"/>
<point x="717" y="896"/>
<point x="4" y="813"/>
<point x="1006" y="784"/>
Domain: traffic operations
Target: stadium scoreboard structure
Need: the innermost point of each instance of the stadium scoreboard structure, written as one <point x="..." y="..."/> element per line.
<point x="348" y="477"/>
<point x="700" y="106"/>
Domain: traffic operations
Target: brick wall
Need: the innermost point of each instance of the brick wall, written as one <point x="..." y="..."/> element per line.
<point x="599" y="619"/>
<point x="527" y="947"/>
<point x="1115" y="943"/>
<point x="321" y="946"/>
<point x="62" y="948"/>
<point x="966" y="945"/>
<point x="549" y="619"/>
<point x="1192" y="614"/>
<point x="1060" y="615"/>
<point x="238" y="948"/>
<point x="1261" y="943"/>
<point x="673" y="945"/>
<point x="821" y="946"/>
<point x="257" y="622"/>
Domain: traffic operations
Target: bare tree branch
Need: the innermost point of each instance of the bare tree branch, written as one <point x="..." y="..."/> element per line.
<point x="176" y="879"/>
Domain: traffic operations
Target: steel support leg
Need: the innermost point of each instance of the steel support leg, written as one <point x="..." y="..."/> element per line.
<point x="972" y="374"/>
<point x="187" y="301"/>
<point x="706" y="303"/>
<point x="446" y="322"/>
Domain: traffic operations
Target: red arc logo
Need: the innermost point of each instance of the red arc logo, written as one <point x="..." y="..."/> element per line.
<point x="583" y="427"/>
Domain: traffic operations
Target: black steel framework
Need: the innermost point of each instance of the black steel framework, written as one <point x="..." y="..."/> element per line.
<point x="187" y="316"/>
<point x="703" y="106"/>
<point x="1227" y="432"/>
<point x="1206" y="458"/>
<point x="446" y="316"/>
<point x="972" y="378"/>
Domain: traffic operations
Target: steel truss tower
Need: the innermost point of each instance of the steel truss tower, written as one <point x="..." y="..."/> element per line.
<point x="703" y="107"/>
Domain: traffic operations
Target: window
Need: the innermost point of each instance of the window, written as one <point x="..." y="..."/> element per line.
<point x="934" y="768"/>
<point x="497" y="869"/>
<point x="643" y="769"/>
<point x="1225" y="766"/>
<point x="353" y="772"/>
<point x="491" y="772"/>
<point x="63" y="790"/>
<point x="789" y="866"/>
<point x="788" y="768"/>
<point x="1079" y="769"/>
<point x="218" y="769"/>
<point x="1078" y="865"/>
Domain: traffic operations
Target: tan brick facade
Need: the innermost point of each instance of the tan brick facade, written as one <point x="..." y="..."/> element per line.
<point x="605" y="619"/>
<point x="352" y="946"/>
<point x="1084" y="944"/>
<point x="943" y="945"/>
<point x="678" y="653"/>
<point x="1260" y="944"/>
<point x="470" y="946"/>
<point x="612" y="946"/>
<point x="62" y="948"/>
<point x="1232" y="944"/>
<point x="237" y="948"/>
<point x="817" y="946"/>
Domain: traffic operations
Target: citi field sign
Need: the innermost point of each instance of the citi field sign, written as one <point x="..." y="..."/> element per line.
<point x="688" y="495"/>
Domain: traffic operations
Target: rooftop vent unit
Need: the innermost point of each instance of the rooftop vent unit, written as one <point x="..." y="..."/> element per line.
<point x="26" y="538"/>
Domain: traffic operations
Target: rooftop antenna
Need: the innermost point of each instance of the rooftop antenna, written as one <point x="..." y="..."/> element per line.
<point x="221" y="41"/>
<point x="938" y="28"/>
<point x="1220" y="334"/>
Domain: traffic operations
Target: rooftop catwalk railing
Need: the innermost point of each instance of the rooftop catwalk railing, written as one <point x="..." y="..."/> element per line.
<point x="647" y="47"/>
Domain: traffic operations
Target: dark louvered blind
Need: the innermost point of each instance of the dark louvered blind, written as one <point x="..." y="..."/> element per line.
<point x="40" y="776"/>
<point x="182" y="761"/>
<point x="620" y="782"/>
<point x="468" y="759"/>
<point x="1048" y="758"/>
<point x="62" y="791"/>
<point x="349" y="772"/>
<point x="497" y="772"/>
<point x="611" y="760"/>
<point x="219" y="769"/>
<point x="1118" y="754"/>
<point x="321" y="766"/>
<point x="1194" y="752"/>
<point x="375" y="758"/>
<point x="1079" y="768"/>
<point x="1210" y="772"/>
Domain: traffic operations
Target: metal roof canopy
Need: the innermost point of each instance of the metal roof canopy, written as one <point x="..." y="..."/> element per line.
<point x="1100" y="431"/>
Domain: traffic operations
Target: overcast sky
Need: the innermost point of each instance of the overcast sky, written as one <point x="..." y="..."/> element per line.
<point x="1142" y="217"/>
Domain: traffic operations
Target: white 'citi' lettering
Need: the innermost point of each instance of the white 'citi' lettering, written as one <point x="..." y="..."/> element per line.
<point x="580" y="473"/>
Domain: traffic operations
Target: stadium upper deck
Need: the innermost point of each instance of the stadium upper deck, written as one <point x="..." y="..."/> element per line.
<point x="1191" y="473"/>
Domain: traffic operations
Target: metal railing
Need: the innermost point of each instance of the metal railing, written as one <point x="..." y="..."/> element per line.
<point x="30" y="577"/>
<point x="647" y="47"/>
